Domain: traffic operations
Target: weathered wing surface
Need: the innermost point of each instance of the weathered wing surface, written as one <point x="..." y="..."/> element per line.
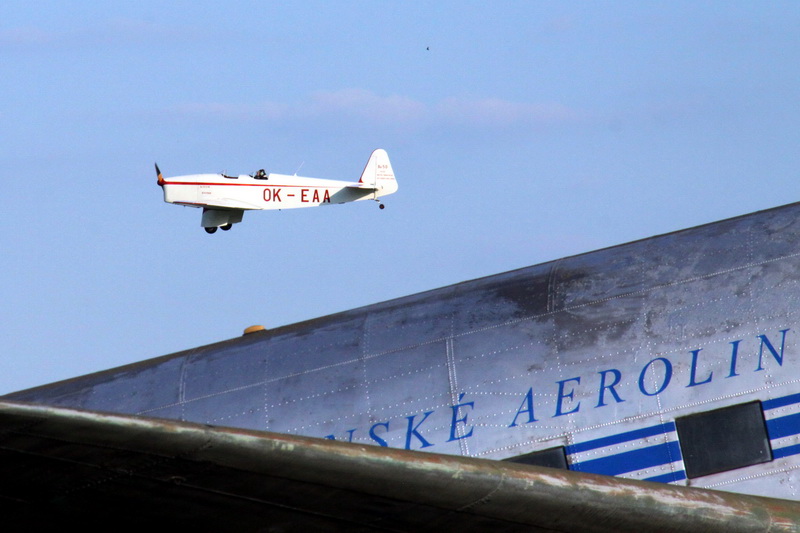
<point x="98" y="469"/>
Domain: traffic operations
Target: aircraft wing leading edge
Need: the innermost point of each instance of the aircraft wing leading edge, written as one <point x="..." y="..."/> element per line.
<point x="67" y="464"/>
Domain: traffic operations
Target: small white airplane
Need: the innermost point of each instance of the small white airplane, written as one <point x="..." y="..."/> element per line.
<point x="224" y="199"/>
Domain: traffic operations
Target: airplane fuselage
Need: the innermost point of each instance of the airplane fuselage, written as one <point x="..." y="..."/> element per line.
<point x="277" y="191"/>
<point x="671" y="359"/>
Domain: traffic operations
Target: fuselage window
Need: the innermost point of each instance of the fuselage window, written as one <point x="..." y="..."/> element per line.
<point x="551" y="458"/>
<point x="723" y="439"/>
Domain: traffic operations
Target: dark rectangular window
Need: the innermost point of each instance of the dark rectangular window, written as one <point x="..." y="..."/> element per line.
<point x="551" y="458"/>
<point x="723" y="439"/>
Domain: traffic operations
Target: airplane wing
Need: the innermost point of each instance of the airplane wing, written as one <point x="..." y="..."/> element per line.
<point x="63" y="465"/>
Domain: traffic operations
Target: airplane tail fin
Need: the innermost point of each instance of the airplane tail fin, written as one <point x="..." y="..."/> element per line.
<point x="378" y="174"/>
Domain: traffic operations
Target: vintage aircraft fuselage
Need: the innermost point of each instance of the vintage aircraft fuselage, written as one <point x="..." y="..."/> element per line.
<point x="277" y="191"/>
<point x="674" y="359"/>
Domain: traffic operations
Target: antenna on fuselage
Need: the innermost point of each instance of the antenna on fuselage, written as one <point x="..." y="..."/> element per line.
<point x="298" y="168"/>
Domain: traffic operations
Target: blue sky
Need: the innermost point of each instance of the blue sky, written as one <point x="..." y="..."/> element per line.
<point x="520" y="132"/>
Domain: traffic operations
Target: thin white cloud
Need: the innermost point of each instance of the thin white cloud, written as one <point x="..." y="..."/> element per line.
<point x="107" y="32"/>
<point x="341" y="105"/>
<point x="362" y="105"/>
<point x="366" y="104"/>
<point x="500" y="113"/>
<point x="26" y="36"/>
<point x="559" y="24"/>
<point x="129" y="30"/>
<point x="236" y="112"/>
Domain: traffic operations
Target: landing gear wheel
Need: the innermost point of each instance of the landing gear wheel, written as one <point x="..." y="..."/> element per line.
<point x="226" y="227"/>
<point x="210" y="230"/>
<point x="381" y="206"/>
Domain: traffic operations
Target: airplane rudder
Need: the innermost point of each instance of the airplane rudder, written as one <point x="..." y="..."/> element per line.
<point x="384" y="174"/>
<point x="378" y="172"/>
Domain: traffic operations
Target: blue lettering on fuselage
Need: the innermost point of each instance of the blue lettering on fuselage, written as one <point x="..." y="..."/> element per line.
<point x="655" y="377"/>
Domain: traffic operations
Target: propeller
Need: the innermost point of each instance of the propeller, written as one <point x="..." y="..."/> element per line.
<point x="160" y="177"/>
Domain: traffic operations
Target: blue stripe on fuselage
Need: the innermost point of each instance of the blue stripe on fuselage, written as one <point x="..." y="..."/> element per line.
<point x="621" y="463"/>
<point x="783" y="426"/>
<point x="781" y="402"/>
<point x="621" y="437"/>
<point x="678" y="475"/>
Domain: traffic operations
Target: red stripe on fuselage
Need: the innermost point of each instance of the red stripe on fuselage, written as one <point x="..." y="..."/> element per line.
<point x="248" y="184"/>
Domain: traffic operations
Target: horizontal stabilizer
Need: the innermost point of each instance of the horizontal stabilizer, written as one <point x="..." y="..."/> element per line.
<point x="63" y="465"/>
<point x="363" y="187"/>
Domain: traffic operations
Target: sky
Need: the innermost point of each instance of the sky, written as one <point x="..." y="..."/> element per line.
<point x="519" y="132"/>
